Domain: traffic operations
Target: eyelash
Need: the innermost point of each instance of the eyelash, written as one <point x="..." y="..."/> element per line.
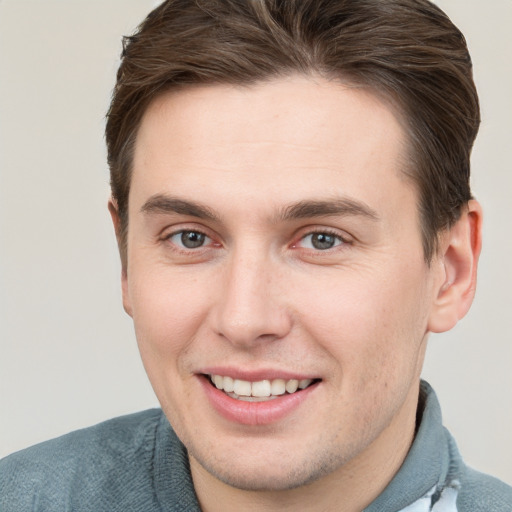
<point x="339" y="239"/>
<point x="207" y="240"/>
<point x="182" y="232"/>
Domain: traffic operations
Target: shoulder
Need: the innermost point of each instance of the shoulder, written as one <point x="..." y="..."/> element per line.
<point x="117" y="437"/>
<point x="477" y="492"/>
<point x="84" y="465"/>
<point x="483" y="493"/>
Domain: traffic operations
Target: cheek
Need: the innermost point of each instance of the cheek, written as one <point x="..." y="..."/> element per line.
<point x="372" y="325"/>
<point x="167" y="312"/>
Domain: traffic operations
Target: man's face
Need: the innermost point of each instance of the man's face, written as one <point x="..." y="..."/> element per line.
<point x="273" y="239"/>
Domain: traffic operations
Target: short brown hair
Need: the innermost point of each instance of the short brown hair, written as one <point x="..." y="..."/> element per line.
<point x="406" y="51"/>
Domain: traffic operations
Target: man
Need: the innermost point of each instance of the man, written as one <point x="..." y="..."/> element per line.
<point x="290" y="194"/>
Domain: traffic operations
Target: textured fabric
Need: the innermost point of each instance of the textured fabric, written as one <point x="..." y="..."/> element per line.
<point x="136" y="463"/>
<point x="434" y="478"/>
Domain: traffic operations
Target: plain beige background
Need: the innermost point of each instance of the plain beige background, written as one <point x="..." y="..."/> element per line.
<point x="68" y="356"/>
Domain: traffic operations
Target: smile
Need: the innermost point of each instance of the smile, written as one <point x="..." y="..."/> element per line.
<point x="256" y="401"/>
<point x="259" y="391"/>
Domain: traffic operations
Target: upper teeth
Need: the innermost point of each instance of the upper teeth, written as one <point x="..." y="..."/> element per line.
<point x="261" y="388"/>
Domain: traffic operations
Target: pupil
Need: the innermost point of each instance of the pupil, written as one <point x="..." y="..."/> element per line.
<point x="322" y="241"/>
<point x="192" y="239"/>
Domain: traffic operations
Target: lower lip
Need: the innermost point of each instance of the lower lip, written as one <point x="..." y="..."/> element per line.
<point x="254" y="413"/>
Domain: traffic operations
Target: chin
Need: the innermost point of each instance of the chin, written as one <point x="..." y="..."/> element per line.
<point x="262" y="480"/>
<point x="277" y="473"/>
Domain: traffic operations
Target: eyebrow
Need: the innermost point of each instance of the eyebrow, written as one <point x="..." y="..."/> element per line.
<point x="338" y="206"/>
<point x="163" y="204"/>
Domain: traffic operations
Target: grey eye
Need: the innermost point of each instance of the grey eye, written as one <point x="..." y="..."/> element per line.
<point x="321" y="241"/>
<point x="189" y="239"/>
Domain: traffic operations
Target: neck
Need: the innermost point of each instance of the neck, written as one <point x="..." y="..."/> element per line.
<point x="350" y="488"/>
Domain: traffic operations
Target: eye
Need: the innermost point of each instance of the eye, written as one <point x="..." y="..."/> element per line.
<point x="321" y="241"/>
<point x="189" y="239"/>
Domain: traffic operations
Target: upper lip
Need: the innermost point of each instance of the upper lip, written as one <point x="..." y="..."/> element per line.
<point x="255" y="375"/>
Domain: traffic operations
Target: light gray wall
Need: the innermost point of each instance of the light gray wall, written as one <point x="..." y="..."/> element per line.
<point x="68" y="356"/>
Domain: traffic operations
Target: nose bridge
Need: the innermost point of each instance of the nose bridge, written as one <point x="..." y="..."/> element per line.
<point x="250" y="307"/>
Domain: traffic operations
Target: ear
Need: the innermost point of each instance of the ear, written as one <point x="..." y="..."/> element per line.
<point x="116" y="221"/>
<point x="457" y="260"/>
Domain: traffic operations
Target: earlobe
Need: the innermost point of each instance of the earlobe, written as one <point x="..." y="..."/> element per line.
<point x="458" y="260"/>
<point x="127" y="304"/>
<point x="114" y="213"/>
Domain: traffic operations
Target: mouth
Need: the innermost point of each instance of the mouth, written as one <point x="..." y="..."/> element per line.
<point x="257" y="401"/>
<point x="261" y="390"/>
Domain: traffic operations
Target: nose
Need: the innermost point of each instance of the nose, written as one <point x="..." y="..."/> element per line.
<point x="251" y="306"/>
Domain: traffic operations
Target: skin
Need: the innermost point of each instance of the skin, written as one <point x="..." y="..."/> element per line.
<point x="258" y="295"/>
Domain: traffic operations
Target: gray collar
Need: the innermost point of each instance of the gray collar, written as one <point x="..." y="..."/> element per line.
<point x="425" y="471"/>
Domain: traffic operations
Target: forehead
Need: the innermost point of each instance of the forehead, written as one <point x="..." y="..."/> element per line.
<point x="278" y="139"/>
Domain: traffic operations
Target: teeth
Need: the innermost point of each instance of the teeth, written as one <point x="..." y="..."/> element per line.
<point x="278" y="387"/>
<point x="228" y="384"/>
<point x="245" y="390"/>
<point x="292" y="385"/>
<point x="304" y="383"/>
<point x="241" y="387"/>
<point x="218" y="381"/>
<point x="261" y="388"/>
